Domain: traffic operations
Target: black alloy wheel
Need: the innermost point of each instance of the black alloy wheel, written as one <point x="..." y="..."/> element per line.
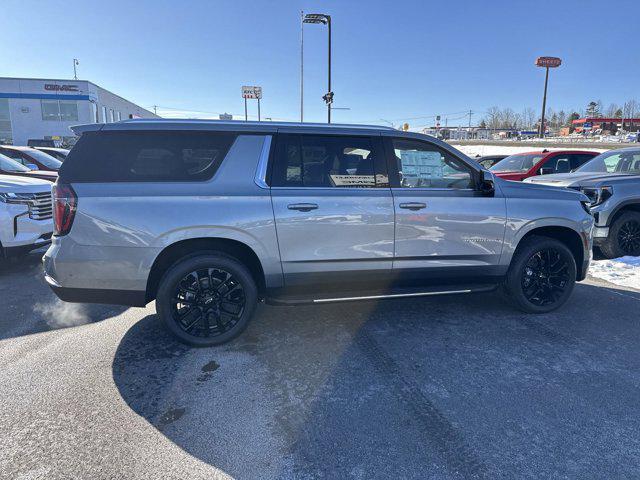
<point x="545" y="277"/>
<point x="208" y="302"/>
<point x="542" y="274"/>
<point x="629" y="237"/>
<point x="207" y="299"/>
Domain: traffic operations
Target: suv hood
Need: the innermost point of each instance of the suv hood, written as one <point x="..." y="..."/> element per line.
<point x="580" y="179"/>
<point x="15" y="184"/>
<point x="529" y="190"/>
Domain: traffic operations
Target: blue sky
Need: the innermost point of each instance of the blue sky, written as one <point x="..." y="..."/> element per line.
<point x="394" y="60"/>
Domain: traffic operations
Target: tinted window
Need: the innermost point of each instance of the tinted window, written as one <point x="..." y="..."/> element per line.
<point x="422" y="165"/>
<point x="625" y="161"/>
<point x="559" y="163"/>
<point x="517" y="163"/>
<point x="580" y="159"/>
<point x="328" y="161"/>
<point x="145" y="156"/>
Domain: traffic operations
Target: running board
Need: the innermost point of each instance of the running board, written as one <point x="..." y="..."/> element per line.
<point x="291" y="300"/>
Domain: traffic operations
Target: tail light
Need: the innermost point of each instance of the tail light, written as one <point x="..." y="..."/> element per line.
<point x="65" y="202"/>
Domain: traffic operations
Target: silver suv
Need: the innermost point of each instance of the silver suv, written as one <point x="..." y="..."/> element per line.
<point x="210" y="217"/>
<point x="612" y="182"/>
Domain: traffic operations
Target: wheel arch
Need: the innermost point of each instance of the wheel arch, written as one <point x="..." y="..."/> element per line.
<point x="194" y="246"/>
<point x="568" y="236"/>
<point x="628" y="206"/>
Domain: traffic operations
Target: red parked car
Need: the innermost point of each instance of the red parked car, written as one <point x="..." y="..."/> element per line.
<point x="529" y="164"/>
<point x="9" y="166"/>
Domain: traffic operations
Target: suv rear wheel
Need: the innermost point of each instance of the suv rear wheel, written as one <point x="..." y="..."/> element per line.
<point x="207" y="299"/>
<point x="624" y="237"/>
<point x="542" y="275"/>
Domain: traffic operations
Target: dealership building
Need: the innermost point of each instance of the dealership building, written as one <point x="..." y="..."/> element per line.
<point x="44" y="109"/>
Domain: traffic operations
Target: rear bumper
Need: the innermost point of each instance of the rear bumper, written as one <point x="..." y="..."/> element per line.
<point x="128" y="298"/>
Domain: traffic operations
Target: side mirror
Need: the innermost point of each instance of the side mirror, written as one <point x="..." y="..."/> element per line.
<point x="546" y="171"/>
<point x="31" y="166"/>
<point x="486" y="185"/>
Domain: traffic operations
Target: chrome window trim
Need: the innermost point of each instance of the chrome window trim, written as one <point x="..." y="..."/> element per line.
<point x="261" y="171"/>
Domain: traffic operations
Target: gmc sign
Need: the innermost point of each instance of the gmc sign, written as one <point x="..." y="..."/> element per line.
<point x="61" y="88"/>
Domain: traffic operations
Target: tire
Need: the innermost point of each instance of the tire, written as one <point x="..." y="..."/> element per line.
<point x="624" y="237"/>
<point x="541" y="276"/>
<point x="216" y="308"/>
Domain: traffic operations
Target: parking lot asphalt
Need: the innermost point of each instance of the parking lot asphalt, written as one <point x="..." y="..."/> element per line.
<point x="449" y="387"/>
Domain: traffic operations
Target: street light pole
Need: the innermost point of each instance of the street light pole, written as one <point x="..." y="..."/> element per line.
<point x="329" y="70"/>
<point x="321" y="18"/>
<point x="75" y="74"/>
<point x="301" y="66"/>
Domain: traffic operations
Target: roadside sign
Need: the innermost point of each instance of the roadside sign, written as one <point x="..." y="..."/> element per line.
<point x="252" y="92"/>
<point x="226" y="116"/>
<point x="549" y="62"/>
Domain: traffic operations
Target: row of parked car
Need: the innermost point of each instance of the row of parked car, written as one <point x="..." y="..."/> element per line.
<point x="26" y="176"/>
<point x="611" y="180"/>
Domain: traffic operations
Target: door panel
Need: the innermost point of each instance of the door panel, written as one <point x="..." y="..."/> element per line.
<point x="444" y="227"/>
<point x="333" y="209"/>
<point x="454" y="229"/>
<point x="349" y="231"/>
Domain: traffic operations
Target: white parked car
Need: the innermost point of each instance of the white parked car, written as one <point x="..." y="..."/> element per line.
<point x="26" y="215"/>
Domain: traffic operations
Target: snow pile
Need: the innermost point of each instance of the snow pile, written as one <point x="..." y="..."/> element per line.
<point x="624" y="271"/>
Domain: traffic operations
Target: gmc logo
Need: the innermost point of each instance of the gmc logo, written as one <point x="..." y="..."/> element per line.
<point x="61" y="88"/>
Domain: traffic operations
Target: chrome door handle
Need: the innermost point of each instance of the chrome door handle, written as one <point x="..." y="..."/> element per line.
<point x="303" y="207"/>
<point x="413" y="205"/>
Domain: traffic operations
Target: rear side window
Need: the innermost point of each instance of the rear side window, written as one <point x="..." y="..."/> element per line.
<point x="329" y="161"/>
<point x="158" y="156"/>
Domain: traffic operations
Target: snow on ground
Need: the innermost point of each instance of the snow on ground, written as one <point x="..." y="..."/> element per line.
<point x="473" y="150"/>
<point x="623" y="271"/>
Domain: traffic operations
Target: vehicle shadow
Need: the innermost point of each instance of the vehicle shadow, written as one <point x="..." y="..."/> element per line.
<point x="450" y="387"/>
<point x="28" y="306"/>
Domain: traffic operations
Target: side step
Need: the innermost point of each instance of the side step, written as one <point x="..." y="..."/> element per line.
<point x="378" y="295"/>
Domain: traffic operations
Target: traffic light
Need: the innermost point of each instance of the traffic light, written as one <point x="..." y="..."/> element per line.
<point x="328" y="98"/>
<point x="405" y="127"/>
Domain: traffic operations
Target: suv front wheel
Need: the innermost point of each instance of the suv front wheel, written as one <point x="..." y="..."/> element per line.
<point x="542" y="275"/>
<point x="624" y="237"/>
<point x="207" y="299"/>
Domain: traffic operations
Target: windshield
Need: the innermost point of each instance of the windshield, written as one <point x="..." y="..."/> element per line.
<point x="8" y="165"/>
<point x="45" y="159"/>
<point x="616" y="161"/>
<point x="517" y="163"/>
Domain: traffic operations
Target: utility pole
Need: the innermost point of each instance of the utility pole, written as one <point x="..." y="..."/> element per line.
<point x="155" y="109"/>
<point x="75" y="73"/>
<point x="470" y="114"/>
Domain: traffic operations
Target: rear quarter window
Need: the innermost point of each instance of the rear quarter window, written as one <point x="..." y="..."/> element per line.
<point x="157" y="156"/>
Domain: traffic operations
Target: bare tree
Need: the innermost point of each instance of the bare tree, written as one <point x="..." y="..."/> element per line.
<point x="493" y="117"/>
<point x="630" y="110"/>
<point x="508" y="118"/>
<point x="528" y="117"/>
<point x="611" y="110"/>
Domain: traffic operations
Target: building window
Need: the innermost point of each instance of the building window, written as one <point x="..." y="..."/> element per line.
<point x="111" y="120"/>
<point x="5" y="122"/>
<point x="104" y="114"/>
<point x="59" y="110"/>
<point x="94" y="112"/>
<point x="68" y="111"/>
<point x="50" y="110"/>
<point x="119" y="115"/>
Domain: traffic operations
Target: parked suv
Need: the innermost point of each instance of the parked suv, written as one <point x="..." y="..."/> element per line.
<point x="25" y="214"/>
<point x="529" y="164"/>
<point x="612" y="183"/>
<point x="208" y="217"/>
